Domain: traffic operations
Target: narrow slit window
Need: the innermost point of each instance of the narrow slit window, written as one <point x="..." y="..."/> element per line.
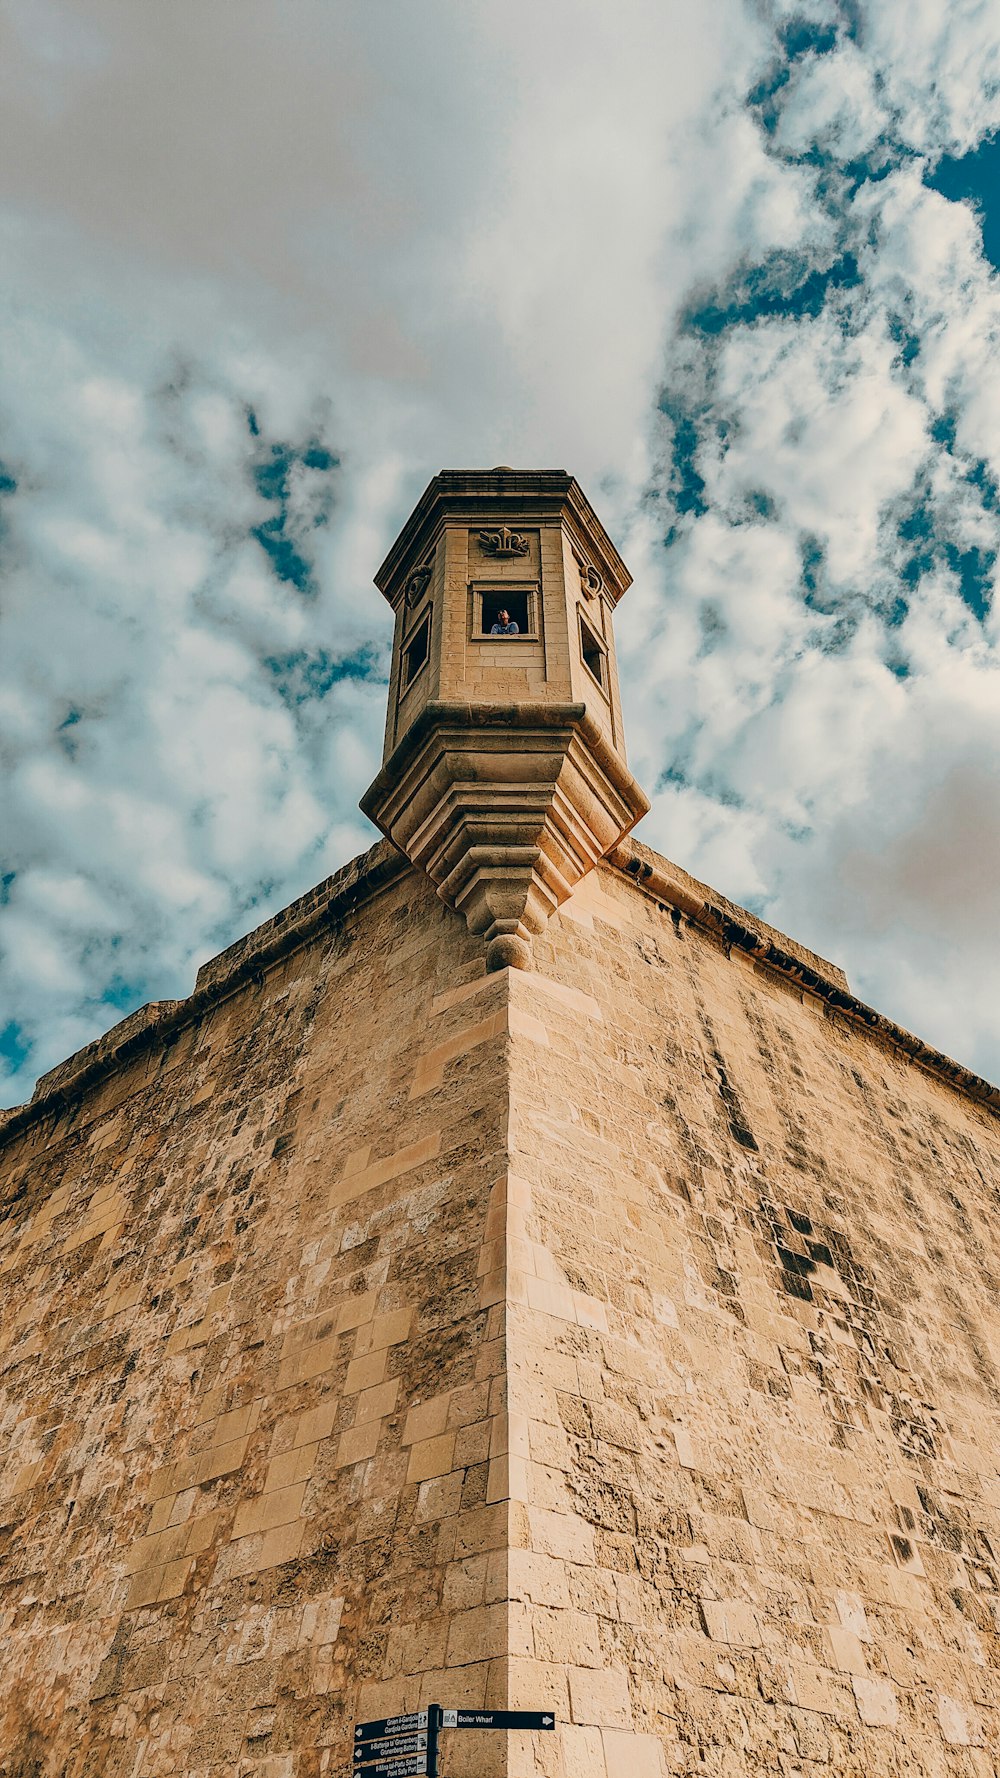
<point x="416" y="651"/>
<point x="593" y="654"/>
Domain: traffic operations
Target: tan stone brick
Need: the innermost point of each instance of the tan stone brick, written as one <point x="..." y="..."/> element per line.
<point x="430" y="1068"/>
<point x="534" y="1684"/>
<point x="26" y="1477"/>
<point x="732" y="1621"/>
<point x="812" y="1687"/>
<point x="850" y="1609"/>
<point x="426" y="1419"/>
<point x="389" y="1329"/>
<point x="465" y="1584"/>
<point x="377" y="1402"/>
<point x="571" y="1637"/>
<point x="165" y="1546"/>
<point x="362" y="1373"/>
<point x="537" y="1578"/>
<point x="308" y="1362"/>
<point x="439" y="1497"/>
<point x="145" y="1587"/>
<point x="876" y="1701"/>
<point x="846" y="1650"/>
<point x="510" y="1478"/>
<point x="255" y="1554"/>
<point x="482" y="1529"/>
<point x="175" y="1578"/>
<point x="265" y="1511"/>
<point x="316" y="1423"/>
<point x="959" y="1726"/>
<point x="632" y="1756"/>
<point x="238" y="1423"/>
<point x="358" y="1443"/>
<point x="321" y="1619"/>
<point x="220" y="1460"/>
<point x="472" y="1444"/>
<point x="162" y="1512"/>
<point x="561" y="1534"/>
<point x="202" y="1532"/>
<point x="356" y="1311"/>
<point x="415" y="1647"/>
<point x="376" y="1173"/>
<point x="291" y="1466"/>
<point x="477" y="1634"/>
<point x="600" y="1698"/>
<point x="431" y="1457"/>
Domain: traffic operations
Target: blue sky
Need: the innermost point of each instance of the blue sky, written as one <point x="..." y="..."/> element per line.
<point x="270" y="266"/>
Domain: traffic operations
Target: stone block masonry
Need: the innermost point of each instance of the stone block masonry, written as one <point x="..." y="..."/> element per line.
<point x="753" y="1330"/>
<point x="615" y="1337"/>
<point x="248" y="1392"/>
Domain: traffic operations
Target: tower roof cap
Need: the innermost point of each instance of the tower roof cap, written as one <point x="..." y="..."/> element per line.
<point x="525" y="496"/>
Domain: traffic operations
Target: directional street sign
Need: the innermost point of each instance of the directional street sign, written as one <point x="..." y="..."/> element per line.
<point x="385" y="1746"/>
<point x="390" y="1725"/>
<point x="497" y="1719"/>
<point x="407" y="1746"/>
<point x="397" y="1768"/>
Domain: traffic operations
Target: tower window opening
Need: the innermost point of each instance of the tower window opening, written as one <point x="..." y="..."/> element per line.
<point x="516" y="602"/>
<point x="593" y="654"/>
<point x="417" y="650"/>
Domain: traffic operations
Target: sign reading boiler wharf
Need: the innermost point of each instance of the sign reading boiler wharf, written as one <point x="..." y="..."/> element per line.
<point x="407" y="1746"/>
<point x="497" y="1719"/>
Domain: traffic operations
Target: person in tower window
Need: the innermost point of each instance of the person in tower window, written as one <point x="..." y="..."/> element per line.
<point x="505" y="625"/>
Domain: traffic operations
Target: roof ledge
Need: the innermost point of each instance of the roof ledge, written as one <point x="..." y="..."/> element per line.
<point x="741" y="931"/>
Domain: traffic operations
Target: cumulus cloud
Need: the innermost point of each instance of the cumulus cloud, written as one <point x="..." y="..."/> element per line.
<point x="829" y="474"/>
<point x="271" y="266"/>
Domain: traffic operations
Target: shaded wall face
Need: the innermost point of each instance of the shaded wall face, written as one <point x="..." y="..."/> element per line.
<point x="246" y="1384"/>
<point x="755" y="1337"/>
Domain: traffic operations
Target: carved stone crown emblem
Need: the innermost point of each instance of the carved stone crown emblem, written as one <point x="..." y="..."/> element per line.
<point x="503" y="542"/>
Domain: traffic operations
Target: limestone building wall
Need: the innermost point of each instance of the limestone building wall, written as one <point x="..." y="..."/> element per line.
<point x="753" y="1327"/>
<point x="231" y="1277"/>
<point x="618" y="1337"/>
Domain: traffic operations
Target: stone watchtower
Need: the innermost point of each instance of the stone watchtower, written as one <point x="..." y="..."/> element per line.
<point x="504" y="774"/>
<point x="612" y="1336"/>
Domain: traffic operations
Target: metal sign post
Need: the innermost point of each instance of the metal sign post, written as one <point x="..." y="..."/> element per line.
<point x="434" y="1716"/>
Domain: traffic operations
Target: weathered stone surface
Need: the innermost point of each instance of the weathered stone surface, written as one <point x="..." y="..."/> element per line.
<point x="616" y="1336"/>
<point x="752" y="1326"/>
<point x="232" y="1274"/>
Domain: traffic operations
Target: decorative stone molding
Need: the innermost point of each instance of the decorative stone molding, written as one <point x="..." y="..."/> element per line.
<point x="505" y="808"/>
<point x="416" y="585"/>
<point x="503" y="542"/>
<point x="591" y="582"/>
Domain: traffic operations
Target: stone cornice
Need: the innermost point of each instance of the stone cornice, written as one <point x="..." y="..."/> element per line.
<point x="740" y="931"/>
<point x="323" y="908"/>
<point x="527" y="495"/>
